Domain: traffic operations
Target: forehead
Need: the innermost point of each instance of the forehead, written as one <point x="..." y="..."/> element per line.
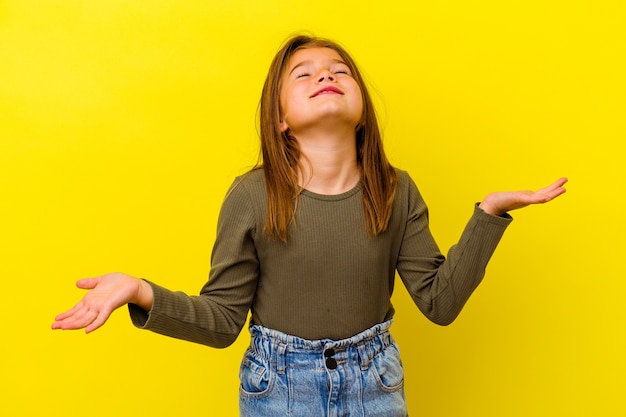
<point x="316" y="54"/>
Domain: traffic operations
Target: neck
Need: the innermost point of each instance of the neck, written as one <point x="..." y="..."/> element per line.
<point x="328" y="163"/>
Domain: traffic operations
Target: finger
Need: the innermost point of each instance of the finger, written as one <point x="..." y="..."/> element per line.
<point x="550" y="192"/>
<point x="98" y="322"/>
<point x="66" y="314"/>
<point x="78" y="320"/>
<point x="554" y="192"/>
<point x="557" y="185"/>
<point x="87" y="283"/>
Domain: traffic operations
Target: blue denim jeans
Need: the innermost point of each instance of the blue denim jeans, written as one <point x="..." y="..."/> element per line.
<point x="283" y="375"/>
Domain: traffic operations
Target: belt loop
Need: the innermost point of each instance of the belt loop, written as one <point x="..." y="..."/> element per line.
<point x="281" y="358"/>
<point x="387" y="339"/>
<point x="364" y="358"/>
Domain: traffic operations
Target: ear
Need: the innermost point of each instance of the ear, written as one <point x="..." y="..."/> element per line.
<point x="283" y="125"/>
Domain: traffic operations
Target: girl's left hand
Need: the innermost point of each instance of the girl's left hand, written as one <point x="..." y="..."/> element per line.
<point x="499" y="203"/>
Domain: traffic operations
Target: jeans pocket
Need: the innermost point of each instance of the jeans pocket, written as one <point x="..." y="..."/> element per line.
<point x="255" y="376"/>
<point x="388" y="370"/>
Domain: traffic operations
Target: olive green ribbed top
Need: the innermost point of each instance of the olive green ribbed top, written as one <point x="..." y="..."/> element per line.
<point x="330" y="280"/>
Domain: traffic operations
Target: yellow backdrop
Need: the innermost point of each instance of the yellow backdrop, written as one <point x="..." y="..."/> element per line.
<point x="123" y="123"/>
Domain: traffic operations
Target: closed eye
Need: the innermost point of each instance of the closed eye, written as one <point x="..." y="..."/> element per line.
<point x="342" y="69"/>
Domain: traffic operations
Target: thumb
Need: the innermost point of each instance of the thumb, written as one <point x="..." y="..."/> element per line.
<point x="88" y="283"/>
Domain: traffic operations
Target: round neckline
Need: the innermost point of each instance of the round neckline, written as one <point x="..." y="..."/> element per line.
<point x="333" y="197"/>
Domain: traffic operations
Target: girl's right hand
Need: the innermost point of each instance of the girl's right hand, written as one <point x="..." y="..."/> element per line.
<point x="108" y="292"/>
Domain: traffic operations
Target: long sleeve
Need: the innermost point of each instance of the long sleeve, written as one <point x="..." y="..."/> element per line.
<point x="441" y="286"/>
<point x="216" y="316"/>
<point x="330" y="280"/>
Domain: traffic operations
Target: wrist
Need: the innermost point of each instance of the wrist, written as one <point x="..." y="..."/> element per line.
<point x="487" y="208"/>
<point x="145" y="295"/>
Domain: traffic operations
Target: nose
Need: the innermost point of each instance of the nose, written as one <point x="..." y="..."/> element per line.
<point x="325" y="75"/>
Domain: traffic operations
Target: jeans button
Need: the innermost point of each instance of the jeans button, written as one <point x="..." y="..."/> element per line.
<point x="329" y="352"/>
<point x="331" y="363"/>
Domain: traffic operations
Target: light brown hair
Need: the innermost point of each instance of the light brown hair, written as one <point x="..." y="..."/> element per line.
<point x="280" y="154"/>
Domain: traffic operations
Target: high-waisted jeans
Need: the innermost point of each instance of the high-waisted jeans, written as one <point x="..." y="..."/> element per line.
<point x="283" y="375"/>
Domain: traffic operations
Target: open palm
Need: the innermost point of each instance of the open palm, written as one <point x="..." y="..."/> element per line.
<point x="500" y="202"/>
<point x="108" y="293"/>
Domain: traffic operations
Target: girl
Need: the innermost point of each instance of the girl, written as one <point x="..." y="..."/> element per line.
<point x="310" y="242"/>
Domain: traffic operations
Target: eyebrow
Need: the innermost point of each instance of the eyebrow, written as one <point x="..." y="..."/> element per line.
<point x="309" y="61"/>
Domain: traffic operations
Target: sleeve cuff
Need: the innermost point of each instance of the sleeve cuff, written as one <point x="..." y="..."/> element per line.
<point x="504" y="219"/>
<point x="140" y="317"/>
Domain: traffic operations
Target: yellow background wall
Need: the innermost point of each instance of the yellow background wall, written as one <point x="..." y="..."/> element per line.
<point x="123" y="123"/>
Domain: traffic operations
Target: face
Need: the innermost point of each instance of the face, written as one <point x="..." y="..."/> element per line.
<point x="318" y="87"/>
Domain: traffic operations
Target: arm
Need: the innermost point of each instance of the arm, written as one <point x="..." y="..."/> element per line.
<point x="440" y="286"/>
<point x="213" y="318"/>
<point x="216" y="316"/>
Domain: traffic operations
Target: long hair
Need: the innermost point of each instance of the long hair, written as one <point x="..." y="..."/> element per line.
<point x="280" y="154"/>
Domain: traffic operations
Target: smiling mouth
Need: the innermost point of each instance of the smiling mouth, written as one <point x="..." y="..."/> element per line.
<point x="327" y="90"/>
